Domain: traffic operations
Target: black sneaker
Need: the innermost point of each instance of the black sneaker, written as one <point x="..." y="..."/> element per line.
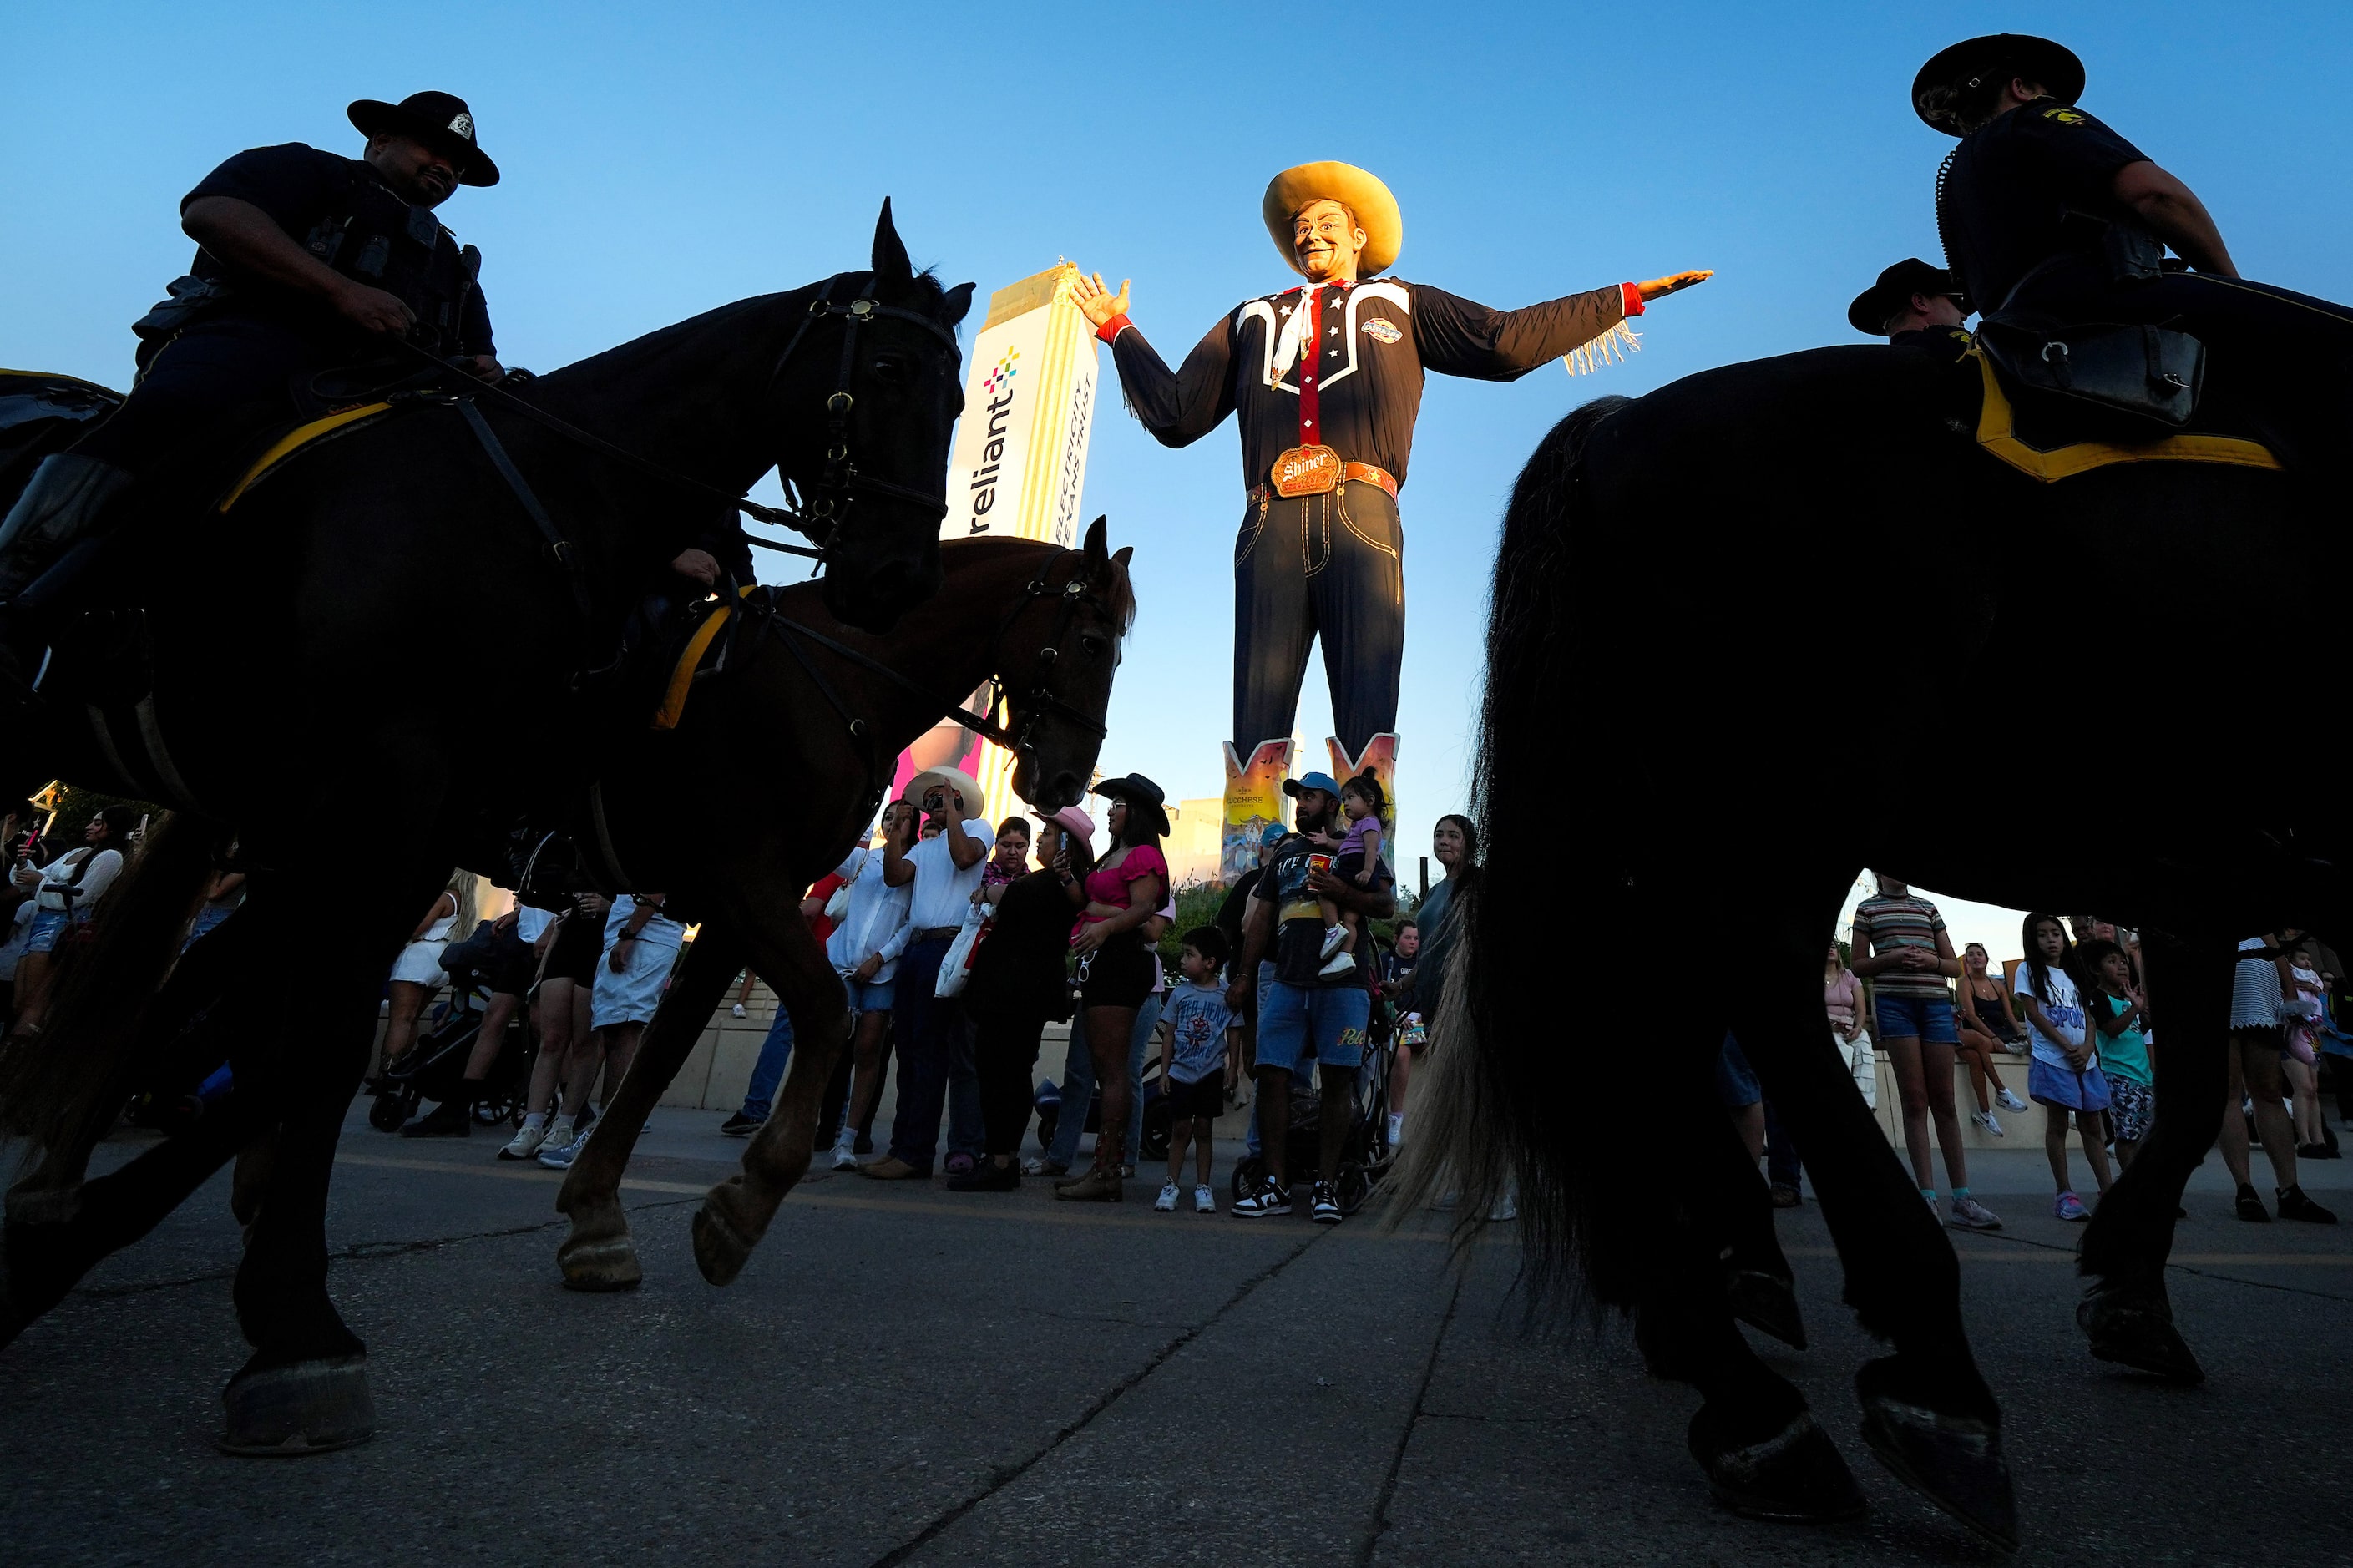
<point x="2251" y="1206"/>
<point x="1265" y="1203"/>
<point x="741" y="1125"/>
<point x="447" y="1120"/>
<point x="1327" y="1205"/>
<point x="987" y="1176"/>
<point x="2293" y="1204"/>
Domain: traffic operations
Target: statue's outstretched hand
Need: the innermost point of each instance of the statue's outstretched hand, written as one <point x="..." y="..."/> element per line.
<point x="1099" y="304"/>
<point x="1673" y="283"/>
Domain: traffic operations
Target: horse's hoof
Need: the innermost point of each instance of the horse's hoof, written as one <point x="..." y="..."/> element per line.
<point x="1954" y="1461"/>
<point x="600" y="1262"/>
<point x="1796" y="1476"/>
<point x="303" y="1407"/>
<point x="1769" y="1304"/>
<point x="721" y="1247"/>
<point x="2135" y="1327"/>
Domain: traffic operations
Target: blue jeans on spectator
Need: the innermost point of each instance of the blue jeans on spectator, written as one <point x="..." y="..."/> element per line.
<point x="1079" y="1082"/>
<point x="928" y="1033"/>
<point x="760" y="1094"/>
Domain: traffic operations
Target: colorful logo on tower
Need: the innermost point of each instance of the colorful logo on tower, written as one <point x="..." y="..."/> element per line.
<point x="997" y="380"/>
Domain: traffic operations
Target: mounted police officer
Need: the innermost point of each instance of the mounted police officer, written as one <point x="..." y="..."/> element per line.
<point x="2044" y="209"/>
<point x="1914" y="305"/>
<point x="308" y="261"/>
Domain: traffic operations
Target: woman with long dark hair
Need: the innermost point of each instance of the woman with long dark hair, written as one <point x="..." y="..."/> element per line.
<point x="1454" y="845"/>
<point x="2065" y="1078"/>
<point x="1117" y="972"/>
<point x="1019" y="981"/>
<point x="64" y="893"/>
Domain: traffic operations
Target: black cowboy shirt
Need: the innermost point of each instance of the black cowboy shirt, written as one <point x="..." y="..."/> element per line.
<point x="1947" y="343"/>
<point x="298" y="187"/>
<point x="2005" y="202"/>
<point x="1373" y="342"/>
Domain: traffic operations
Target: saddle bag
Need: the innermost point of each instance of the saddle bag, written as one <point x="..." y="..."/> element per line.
<point x="2146" y="373"/>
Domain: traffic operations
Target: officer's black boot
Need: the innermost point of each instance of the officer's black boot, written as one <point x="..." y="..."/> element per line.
<point x="65" y="504"/>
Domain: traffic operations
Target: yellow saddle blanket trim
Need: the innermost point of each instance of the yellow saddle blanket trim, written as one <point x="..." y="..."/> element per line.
<point x="682" y="675"/>
<point x="293" y="441"/>
<point x="1996" y="434"/>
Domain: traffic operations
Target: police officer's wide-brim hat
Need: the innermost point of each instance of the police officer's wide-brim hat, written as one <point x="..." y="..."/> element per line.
<point x="1376" y="211"/>
<point x="2054" y="65"/>
<point x="1872" y="307"/>
<point x="440" y="119"/>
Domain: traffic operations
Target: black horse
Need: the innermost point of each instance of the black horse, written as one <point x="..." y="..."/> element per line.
<point x="343" y="640"/>
<point x="1689" y="585"/>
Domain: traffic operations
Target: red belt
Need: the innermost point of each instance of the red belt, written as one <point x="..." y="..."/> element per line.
<point x="1362" y="472"/>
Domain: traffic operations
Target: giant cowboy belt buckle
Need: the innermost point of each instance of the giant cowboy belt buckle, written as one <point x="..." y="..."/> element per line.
<point x="1306" y="471"/>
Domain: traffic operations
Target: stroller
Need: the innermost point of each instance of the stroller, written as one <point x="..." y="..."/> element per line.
<point x="438" y="1064"/>
<point x="1048" y="1103"/>
<point x="1365" y="1154"/>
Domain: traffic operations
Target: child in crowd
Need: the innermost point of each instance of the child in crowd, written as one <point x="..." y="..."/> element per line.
<point x="2063" y="1077"/>
<point x="1196" y="1063"/>
<point x="2299" y="1032"/>
<point x="1010" y="861"/>
<point x="2122" y="1042"/>
<point x="1362" y="802"/>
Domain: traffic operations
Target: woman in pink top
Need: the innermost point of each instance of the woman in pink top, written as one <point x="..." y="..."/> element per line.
<point x="1116" y="970"/>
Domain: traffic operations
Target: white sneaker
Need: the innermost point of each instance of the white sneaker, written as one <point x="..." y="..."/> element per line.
<point x="1508" y="1209"/>
<point x="1985" y="1119"/>
<point x="525" y="1143"/>
<point x="1333" y="937"/>
<point x="1396" y="1128"/>
<point x="845" y="1155"/>
<point x="1203" y="1201"/>
<point x="1166" y="1202"/>
<point x="1340" y="963"/>
<point x="2009" y="1101"/>
<point x="737" y="1010"/>
<point x="563" y="1146"/>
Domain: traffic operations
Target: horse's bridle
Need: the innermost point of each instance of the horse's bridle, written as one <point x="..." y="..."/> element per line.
<point x="1038" y="703"/>
<point x="820" y="517"/>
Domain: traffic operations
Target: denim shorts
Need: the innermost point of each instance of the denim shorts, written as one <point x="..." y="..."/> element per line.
<point x="1737" y="1088"/>
<point x="47" y="925"/>
<point x="1326" y="1021"/>
<point x="868" y="995"/>
<point x="1924" y="1018"/>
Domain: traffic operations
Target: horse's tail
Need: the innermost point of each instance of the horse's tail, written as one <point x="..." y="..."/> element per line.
<point x="62" y="1087"/>
<point x="1527" y="1094"/>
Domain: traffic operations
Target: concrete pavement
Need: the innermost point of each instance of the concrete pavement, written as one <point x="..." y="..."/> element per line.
<point x="906" y="1375"/>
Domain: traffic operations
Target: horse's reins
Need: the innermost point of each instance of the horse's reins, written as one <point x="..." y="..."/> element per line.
<point x="820" y="517"/>
<point x="1032" y="705"/>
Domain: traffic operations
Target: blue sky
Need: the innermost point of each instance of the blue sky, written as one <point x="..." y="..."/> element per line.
<point x="660" y="161"/>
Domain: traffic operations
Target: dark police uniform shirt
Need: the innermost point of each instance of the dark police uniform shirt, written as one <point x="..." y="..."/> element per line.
<point x="2005" y="201"/>
<point x="1373" y="342"/>
<point x="299" y="186"/>
<point x="1298" y="919"/>
<point x="1947" y="343"/>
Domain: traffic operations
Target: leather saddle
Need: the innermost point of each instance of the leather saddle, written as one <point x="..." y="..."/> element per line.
<point x="2102" y="378"/>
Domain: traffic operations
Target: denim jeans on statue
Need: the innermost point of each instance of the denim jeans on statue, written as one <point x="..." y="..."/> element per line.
<point x="777" y="1050"/>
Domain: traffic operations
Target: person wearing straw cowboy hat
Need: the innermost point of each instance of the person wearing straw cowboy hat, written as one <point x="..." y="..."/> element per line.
<point x="308" y="261"/>
<point x="1325" y="378"/>
<point x="1914" y="305"/>
<point x="2045" y="209"/>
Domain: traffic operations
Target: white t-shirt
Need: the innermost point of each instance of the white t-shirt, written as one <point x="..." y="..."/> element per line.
<point x="2066" y="1015"/>
<point x="530" y="922"/>
<point x="942" y="891"/>
<point x="660" y="931"/>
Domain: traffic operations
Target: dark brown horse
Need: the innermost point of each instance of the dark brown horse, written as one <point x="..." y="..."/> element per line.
<point x="339" y="640"/>
<point x="1687" y="583"/>
<point x="1046" y="625"/>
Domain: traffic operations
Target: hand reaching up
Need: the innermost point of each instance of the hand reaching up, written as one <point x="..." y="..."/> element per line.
<point x="1657" y="288"/>
<point x="1100" y="304"/>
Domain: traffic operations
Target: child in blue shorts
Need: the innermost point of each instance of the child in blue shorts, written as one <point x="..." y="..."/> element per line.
<point x="2064" y="1077"/>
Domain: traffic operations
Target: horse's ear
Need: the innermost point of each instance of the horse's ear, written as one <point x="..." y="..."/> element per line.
<point x="954" y="303"/>
<point x="1097" y="544"/>
<point x="891" y="263"/>
<point x="1126" y="553"/>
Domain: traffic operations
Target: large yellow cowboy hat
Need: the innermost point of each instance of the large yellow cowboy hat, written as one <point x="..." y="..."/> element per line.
<point x="1360" y="192"/>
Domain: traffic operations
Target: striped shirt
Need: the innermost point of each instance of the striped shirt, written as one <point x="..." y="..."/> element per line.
<point x="1890" y="925"/>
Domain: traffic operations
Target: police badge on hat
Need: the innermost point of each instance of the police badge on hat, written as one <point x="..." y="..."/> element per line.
<point x="440" y="119"/>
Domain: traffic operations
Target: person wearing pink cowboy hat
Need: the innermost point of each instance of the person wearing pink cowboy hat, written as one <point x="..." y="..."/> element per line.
<point x="1020" y="980"/>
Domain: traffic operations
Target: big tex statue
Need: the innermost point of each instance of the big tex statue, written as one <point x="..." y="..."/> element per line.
<point x="1326" y="379"/>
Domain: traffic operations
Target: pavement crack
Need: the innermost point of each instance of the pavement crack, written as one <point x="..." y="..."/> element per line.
<point x="1006" y="1475"/>
<point x="2192" y="1268"/>
<point x="1379" y="1521"/>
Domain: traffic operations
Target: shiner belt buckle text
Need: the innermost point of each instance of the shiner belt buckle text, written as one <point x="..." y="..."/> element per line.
<point x="1306" y="471"/>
